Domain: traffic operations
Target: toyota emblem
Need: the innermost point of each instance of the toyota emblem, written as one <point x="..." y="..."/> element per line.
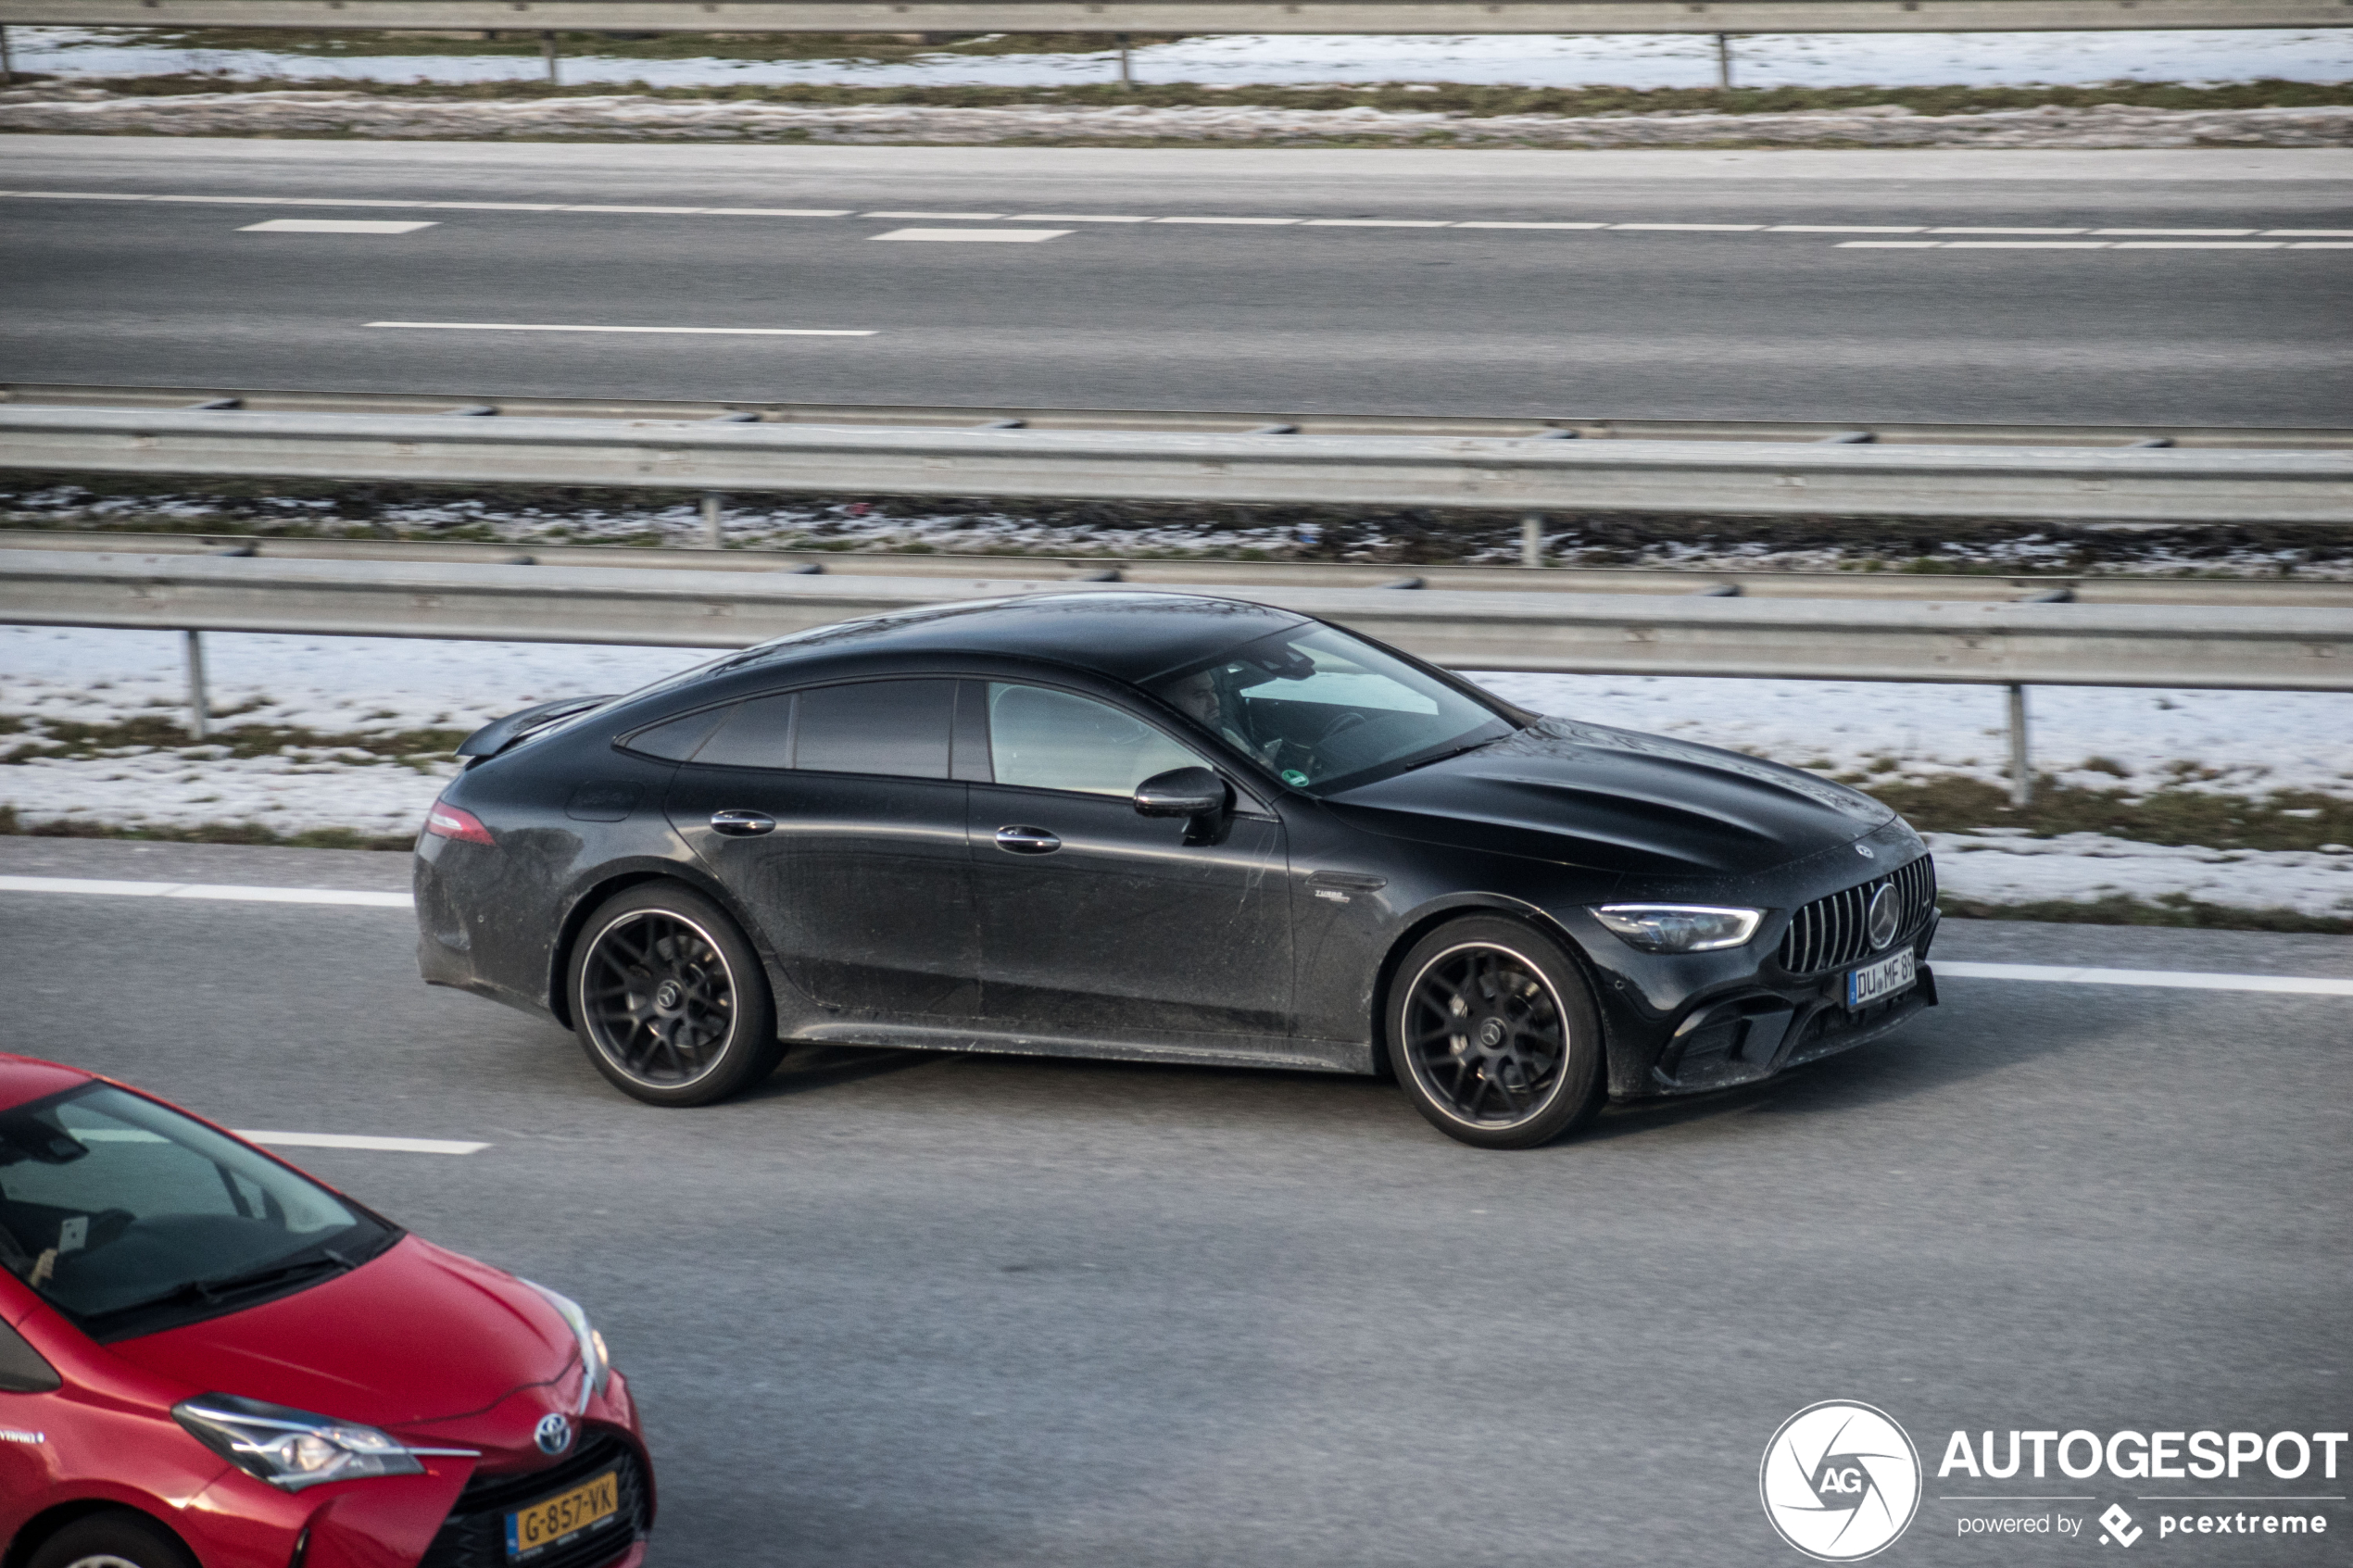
<point x="553" y="1433"/>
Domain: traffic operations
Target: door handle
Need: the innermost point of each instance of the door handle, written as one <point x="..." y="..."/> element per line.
<point x="1028" y="841"/>
<point x="741" y="824"/>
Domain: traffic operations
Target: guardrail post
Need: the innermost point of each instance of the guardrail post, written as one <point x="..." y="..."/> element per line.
<point x="7" y="59"/>
<point x="1126" y="76"/>
<point x="1531" y="539"/>
<point x="1724" y="61"/>
<point x="713" y="513"/>
<point x="199" y="705"/>
<point x="548" y="53"/>
<point x="2021" y="762"/>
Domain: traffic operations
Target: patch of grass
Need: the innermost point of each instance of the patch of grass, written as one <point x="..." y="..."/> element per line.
<point x="2172" y="910"/>
<point x="2285" y="819"/>
<point x="70" y="740"/>
<point x="209" y="833"/>
<point x="1452" y="98"/>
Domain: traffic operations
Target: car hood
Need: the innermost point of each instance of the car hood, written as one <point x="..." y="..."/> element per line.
<point x="1616" y="801"/>
<point x="416" y="1334"/>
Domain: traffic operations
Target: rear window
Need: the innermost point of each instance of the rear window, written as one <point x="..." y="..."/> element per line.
<point x="898" y="728"/>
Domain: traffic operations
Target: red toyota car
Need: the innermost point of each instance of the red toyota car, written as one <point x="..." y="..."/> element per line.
<point x="208" y="1359"/>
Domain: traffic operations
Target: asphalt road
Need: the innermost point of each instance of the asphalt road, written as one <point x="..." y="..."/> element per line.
<point x="1764" y="322"/>
<point x="901" y="1310"/>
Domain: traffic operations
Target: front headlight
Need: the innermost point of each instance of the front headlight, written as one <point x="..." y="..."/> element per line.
<point x="592" y="1344"/>
<point x="1680" y="928"/>
<point x="292" y="1449"/>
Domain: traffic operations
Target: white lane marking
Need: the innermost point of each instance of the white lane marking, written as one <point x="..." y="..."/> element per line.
<point x="2005" y="230"/>
<point x="2185" y="233"/>
<point x="2322" y="245"/>
<point x="681" y="210"/>
<point x="1072" y="218"/>
<point x="775" y="212"/>
<point x="973" y="216"/>
<point x="1376" y="223"/>
<point x="1259" y="220"/>
<point x="355" y="1140"/>
<point x="102" y="887"/>
<point x="986" y="236"/>
<point x="2317" y="234"/>
<point x="1476" y="225"/>
<point x="338" y="226"/>
<point x="494" y="207"/>
<point x="2169" y="979"/>
<point x="2200" y="245"/>
<point x="1891" y="245"/>
<point x="689" y="331"/>
<point x="1848" y="228"/>
<point x="2026" y="244"/>
<point x="1695" y="227"/>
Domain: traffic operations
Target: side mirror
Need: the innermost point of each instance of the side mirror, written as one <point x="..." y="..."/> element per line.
<point x="1183" y="792"/>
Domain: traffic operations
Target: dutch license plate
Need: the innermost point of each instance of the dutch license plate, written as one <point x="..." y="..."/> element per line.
<point x="1893" y="973"/>
<point x="591" y="1505"/>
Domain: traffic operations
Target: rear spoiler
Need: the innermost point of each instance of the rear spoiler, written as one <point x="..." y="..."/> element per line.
<point x="500" y="734"/>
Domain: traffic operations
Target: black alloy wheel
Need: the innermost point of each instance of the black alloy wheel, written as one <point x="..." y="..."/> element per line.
<point x="669" y="999"/>
<point x="1493" y="1035"/>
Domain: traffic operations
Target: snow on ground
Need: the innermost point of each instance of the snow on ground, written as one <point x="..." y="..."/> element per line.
<point x="1977" y="59"/>
<point x="2242" y="742"/>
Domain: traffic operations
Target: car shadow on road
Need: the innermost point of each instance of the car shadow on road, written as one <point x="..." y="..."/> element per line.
<point x="807" y="1069"/>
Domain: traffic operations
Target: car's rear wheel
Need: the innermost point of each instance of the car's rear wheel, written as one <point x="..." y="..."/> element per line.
<point x="1492" y="1034"/>
<point x="114" y="1538"/>
<point x="669" y="999"/>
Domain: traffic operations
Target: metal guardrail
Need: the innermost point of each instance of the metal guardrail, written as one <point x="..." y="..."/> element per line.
<point x="1372" y="16"/>
<point x="1487" y="473"/>
<point x="67" y="394"/>
<point x="2009" y="644"/>
<point x="1213" y="572"/>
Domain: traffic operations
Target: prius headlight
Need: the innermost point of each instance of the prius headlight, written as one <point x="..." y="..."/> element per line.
<point x="592" y="1345"/>
<point x="1680" y="928"/>
<point x="292" y="1449"/>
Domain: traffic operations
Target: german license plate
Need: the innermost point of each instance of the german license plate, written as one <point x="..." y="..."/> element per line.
<point x="592" y="1505"/>
<point x="1893" y="973"/>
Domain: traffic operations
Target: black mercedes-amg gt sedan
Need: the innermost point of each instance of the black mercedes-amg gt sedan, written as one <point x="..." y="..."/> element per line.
<point x="1172" y="827"/>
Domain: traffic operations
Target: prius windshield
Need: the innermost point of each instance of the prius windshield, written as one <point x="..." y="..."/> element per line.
<point x="129" y="1217"/>
<point x="1326" y="709"/>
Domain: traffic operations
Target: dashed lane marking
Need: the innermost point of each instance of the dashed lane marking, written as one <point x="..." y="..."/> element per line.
<point x="980" y="236"/>
<point x="338" y="226"/>
<point x="102" y="887"/>
<point x="690" y="332"/>
<point x="356" y="1140"/>
<point x="2169" y="979"/>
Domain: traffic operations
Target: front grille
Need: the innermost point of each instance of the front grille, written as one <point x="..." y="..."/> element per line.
<point x="475" y="1536"/>
<point x="1834" y="931"/>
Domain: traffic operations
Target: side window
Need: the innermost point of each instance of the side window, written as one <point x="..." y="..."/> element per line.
<point x="674" y="740"/>
<point x="756" y="734"/>
<point x="900" y="728"/>
<point x="1052" y="740"/>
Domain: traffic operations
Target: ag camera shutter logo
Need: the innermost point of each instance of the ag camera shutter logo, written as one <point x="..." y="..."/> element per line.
<point x="1840" y="1481"/>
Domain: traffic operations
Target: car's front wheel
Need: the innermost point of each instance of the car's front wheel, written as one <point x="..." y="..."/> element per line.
<point x="669" y="999"/>
<point x="1493" y="1035"/>
<point x="111" y="1538"/>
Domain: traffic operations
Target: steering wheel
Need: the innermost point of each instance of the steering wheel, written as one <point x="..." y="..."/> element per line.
<point x="1352" y="720"/>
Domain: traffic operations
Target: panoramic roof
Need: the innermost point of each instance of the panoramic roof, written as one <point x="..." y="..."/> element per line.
<point x="1128" y="634"/>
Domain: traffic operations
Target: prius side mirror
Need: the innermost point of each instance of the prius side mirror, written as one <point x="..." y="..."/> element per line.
<point x="1184" y="792"/>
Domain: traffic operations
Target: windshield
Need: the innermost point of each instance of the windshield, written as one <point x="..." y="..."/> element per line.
<point x="1322" y="707"/>
<point x="126" y="1216"/>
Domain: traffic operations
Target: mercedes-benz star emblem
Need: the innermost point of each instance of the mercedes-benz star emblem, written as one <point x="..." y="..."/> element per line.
<point x="1866" y="851"/>
<point x="669" y="995"/>
<point x="1885" y="914"/>
<point x="553" y="1433"/>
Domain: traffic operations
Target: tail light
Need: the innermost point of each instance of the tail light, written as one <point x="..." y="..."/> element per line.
<point x="446" y="820"/>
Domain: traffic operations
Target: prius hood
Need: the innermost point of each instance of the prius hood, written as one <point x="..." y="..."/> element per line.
<point x="1616" y="801"/>
<point x="416" y="1334"/>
